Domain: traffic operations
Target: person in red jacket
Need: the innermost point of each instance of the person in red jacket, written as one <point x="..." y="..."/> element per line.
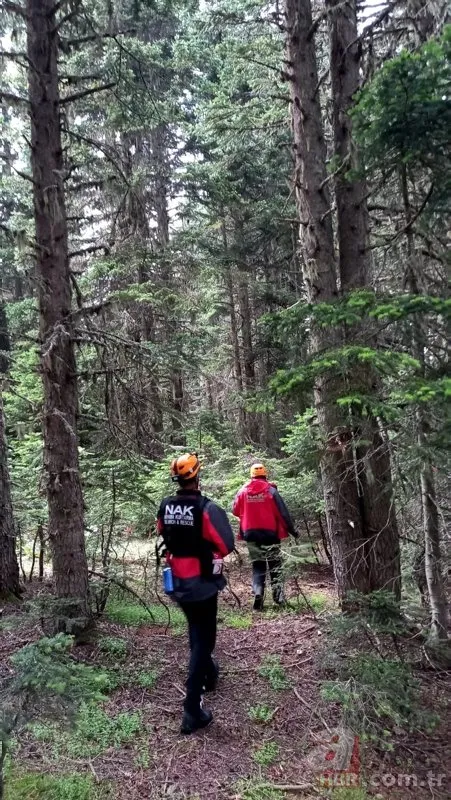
<point x="264" y="522"/>
<point x="197" y="535"/>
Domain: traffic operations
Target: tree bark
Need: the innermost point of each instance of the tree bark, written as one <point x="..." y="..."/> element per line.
<point x="353" y="547"/>
<point x="372" y="461"/>
<point x="247" y="349"/>
<point x="64" y="493"/>
<point x="238" y="373"/>
<point x="160" y="201"/>
<point x="438" y="631"/>
<point x="9" y="568"/>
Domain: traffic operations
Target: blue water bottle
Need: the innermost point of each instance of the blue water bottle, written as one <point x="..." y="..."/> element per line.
<point x="168" y="581"/>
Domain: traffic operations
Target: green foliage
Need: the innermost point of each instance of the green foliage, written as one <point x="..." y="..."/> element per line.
<point x="266" y="754"/>
<point x="340" y="363"/>
<point x="95" y="731"/>
<point x="377" y="695"/>
<point x="312" y="600"/>
<point x="52" y="787"/>
<point x="380" y="609"/>
<point x="349" y="793"/>
<point x="403" y="116"/>
<point x="238" y="621"/>
<point x="147" y="679"/>
<point x="253" y="789"/>
<point x="142" y="758"/>
<point x="113" y="646"/>
<point x="261" y="713"/>
<point x="134" y="615"/>
<point x="45" y="671"/>
<point x="271" y="669"/>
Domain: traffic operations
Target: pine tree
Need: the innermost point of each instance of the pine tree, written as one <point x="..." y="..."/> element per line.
<point x="58" y="368"/>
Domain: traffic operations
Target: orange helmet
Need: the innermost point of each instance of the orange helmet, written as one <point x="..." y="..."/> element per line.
<point x="258" y="471"/>
<point x="185" y="467"/>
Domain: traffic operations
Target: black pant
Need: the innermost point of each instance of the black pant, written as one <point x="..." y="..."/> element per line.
<point x="266" y="558"/>
<point x="202" y="625"/>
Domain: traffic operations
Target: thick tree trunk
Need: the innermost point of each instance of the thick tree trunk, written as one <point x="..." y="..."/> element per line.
<point x="372" y="461"/>
<point x="353" y="547"/>
<point x="66" y="529"/>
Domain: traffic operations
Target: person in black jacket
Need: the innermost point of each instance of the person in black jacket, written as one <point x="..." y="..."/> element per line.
<point x="197" y="535"/>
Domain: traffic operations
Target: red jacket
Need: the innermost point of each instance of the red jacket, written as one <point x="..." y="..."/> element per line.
<point x="264" y="517"/>
<point x="194" y="530"/>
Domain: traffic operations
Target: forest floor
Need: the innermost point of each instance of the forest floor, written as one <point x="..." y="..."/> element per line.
<point x="272" y="734"/>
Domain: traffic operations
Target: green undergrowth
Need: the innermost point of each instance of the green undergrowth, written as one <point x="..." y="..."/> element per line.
<point x="134" y="615"/>
<point x="237" y="620"/>
<point x="316" y="601"/>
<point x="252" y="789"/>
<point x="261" y="714"/>
<point x="147" y="678"/>
<point x="272" y="669"/>
<point x="369" y="675"/>
<point x="62" y="787"/>
<point x="348" y="793"/>
<point x="93" y="733"/>
<point x="266" y="754"/>
<point x="113" y="646"/>
<point x="9" y="623"/>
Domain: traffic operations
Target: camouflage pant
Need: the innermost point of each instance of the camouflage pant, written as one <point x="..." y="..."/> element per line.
<point x="266" y="558"/>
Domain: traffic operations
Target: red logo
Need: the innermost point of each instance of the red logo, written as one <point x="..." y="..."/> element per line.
<point x="336" y="758"/>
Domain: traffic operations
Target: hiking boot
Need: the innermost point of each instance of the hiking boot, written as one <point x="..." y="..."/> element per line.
<point x="279" y="598"/>
<point x="211" y="680"/>
<point x="258" y="602"/>
<point x="194" y="722"/>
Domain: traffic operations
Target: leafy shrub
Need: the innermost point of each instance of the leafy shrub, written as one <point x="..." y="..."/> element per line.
<point x="272" y="669"/>
<point x="147" y="679"/>
<point x="113" y="646"/>
<point x="261" y="713"/>
<point x="266" y="754"/>
<point x="46" y="670"/>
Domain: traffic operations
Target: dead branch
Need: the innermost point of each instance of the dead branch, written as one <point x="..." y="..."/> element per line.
<point x="124" y="587"/>
<point x="86" y="92"/>
<point x="14" y="99"/>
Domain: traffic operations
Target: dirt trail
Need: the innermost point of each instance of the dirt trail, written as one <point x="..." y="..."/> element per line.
<point x="268" y="714"/>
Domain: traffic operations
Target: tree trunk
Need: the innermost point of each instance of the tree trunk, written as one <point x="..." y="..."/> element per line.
<point x="160" y="201"/>
<point x="372" y="461"/>
<point x="64" y="493"/>
<point x="352" y="550"/>
<point x="9" y="568"/>
<point x="438" y="632"/>
<point x="252" y="431"/>
<point x="237" y="369"/>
